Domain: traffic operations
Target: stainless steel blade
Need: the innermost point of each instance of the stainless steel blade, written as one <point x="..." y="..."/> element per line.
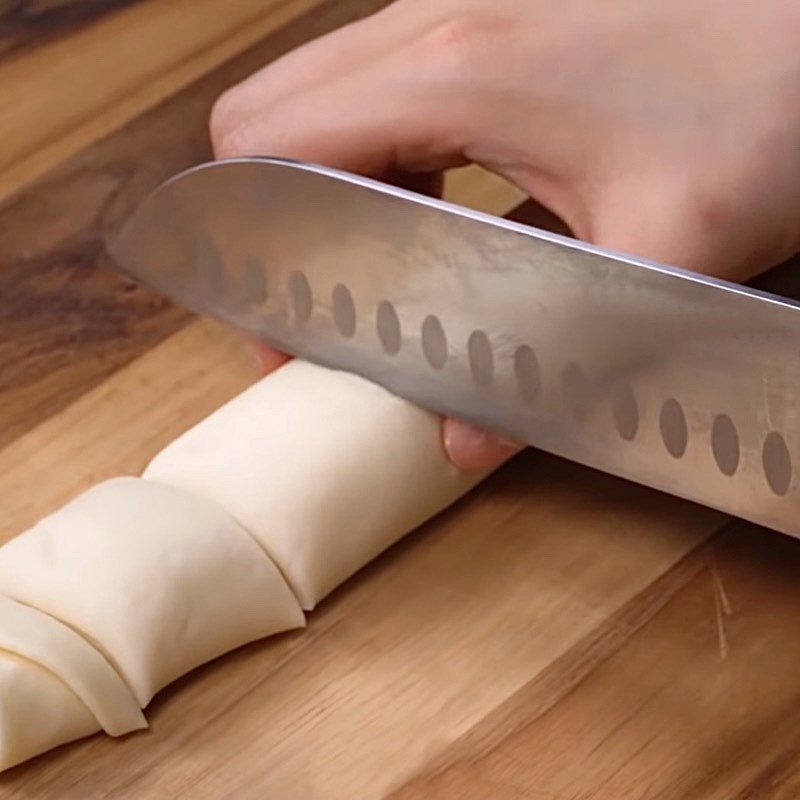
<point x="671" y="379"/>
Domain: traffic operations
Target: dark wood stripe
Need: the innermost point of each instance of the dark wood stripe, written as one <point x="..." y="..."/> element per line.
<point x="23" y="22"/>
<point x="67" y="320"/>
<point x="531" y="213"/>
<point x="783" y="279"/>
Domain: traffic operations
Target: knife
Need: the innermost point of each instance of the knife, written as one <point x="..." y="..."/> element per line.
<point x="672" y="379"/>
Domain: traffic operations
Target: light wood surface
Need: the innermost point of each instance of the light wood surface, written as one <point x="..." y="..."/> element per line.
<point x="103" y="75"/>
<point x="557" y="635"/>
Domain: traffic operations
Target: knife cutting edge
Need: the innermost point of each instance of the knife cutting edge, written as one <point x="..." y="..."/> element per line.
<point x="675" y="380"/>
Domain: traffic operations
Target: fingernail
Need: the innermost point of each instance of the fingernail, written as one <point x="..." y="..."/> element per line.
<point x="472" y="448"/>
<point x="267" y="359"/>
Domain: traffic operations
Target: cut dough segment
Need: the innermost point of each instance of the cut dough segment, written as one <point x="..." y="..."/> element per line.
<point x="38" y="711"/>
<point x="160" y="581"/>
<point x="324" y="468"/>
<point x="50" y="644"/>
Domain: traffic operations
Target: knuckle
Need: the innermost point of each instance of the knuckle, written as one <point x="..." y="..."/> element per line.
<point x="241" y="141"/>
<point x="458" y="39"/>
<point x="454" y="32"/>
<point x="225" y="121"/>
<point x="219" y="121"/>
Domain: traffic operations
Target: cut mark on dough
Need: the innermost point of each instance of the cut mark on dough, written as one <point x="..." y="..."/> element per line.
<point x="387" y="324"/>
<point x="344" y="310"/>
<point x="209" y="266"/>
<point x="526" y="370"/>
<point x="481" y="358"/>
<point x="626" y="413"/>
<point x="777" y="463"/>
<point x="725" y="444"/>
<point x="254" y="281"/>
<point x="434" y="342"/>
<point x="577" y="390"/>
<point x="674" y="430"/>
<point x="300" y="296"/>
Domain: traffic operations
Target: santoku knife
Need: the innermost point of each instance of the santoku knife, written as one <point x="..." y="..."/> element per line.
<point x="672" y="379"/>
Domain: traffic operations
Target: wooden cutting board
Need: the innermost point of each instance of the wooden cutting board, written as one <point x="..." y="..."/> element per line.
<point x="557" y="635"/>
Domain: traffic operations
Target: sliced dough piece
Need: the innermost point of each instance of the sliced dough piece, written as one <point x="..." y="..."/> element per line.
<point x="51" y="644"/>
<point x="324" y="468"/>
<point x="38" y="711"/>
<point x="157" y="579"/>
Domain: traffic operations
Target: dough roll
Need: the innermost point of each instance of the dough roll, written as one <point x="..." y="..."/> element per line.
<point x="325" y="469"/>
<point x="264" y="507"/>
<point x="126" y="588"/>
<point x="54" y="686"/>
<point x="38" y="711"/>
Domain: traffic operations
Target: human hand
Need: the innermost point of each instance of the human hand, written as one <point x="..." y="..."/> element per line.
<point x="669" y="130"/>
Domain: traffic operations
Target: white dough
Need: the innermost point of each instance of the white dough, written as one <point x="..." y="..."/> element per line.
<point x="38" y="711"/>
<point x="50" y="644"/>
<point x="323" y="468"/>
<point x="158" y="580"/>
<point x="54" y="687"/>
<point x="267" y="505"/>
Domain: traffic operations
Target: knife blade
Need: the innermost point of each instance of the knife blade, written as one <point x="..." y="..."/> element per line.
<point x="672" y="379"/>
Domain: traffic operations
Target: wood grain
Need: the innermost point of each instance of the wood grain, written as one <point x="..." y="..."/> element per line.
<point x="24" y="21"/>
<point x="120" y="67"/>
<point x="558" y="635"/>
<point x="702" y="702"/>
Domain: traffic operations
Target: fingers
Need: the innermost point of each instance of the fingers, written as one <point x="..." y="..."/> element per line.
<point x="368" y="99"/>
<point x="475" y="449"/>
<point x="333" y="55"/>
<point x="371" y="124"/>
<point x="267" y="357"/>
